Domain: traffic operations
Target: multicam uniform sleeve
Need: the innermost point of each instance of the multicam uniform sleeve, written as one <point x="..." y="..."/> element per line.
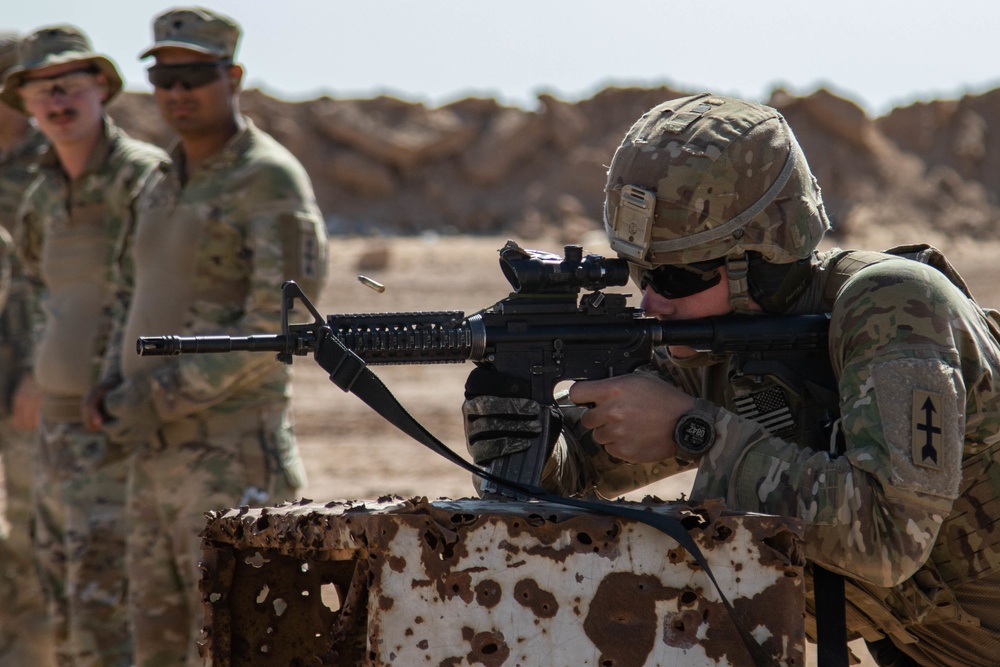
<point x="289" y="243"/>
<point x="150" y="199"/>
<point x="285" y="239"/>
<point x="29" y="235"/>
<point x="907" y="349"/>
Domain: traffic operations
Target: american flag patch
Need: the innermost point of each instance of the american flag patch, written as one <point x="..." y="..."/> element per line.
<point x="768" y="408"/>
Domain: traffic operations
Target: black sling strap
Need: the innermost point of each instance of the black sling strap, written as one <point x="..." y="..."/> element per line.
<point x="831" y="618"/>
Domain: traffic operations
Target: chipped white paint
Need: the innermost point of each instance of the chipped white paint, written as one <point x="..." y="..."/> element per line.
<point x="499" y="584"/>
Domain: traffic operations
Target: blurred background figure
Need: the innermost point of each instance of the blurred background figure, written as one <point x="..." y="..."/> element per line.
<point x="90" y="182"/>
<point x="25" y="637"/>
<point x="239" y="219"/>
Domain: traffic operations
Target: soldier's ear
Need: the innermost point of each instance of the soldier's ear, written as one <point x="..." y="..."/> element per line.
<point x="235" y="76"/>
<point x="102" y="82"/>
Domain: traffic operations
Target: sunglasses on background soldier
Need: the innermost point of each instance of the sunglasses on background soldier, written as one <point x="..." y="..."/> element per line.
<point x="67" y="83"/>
<point x="677" y="282"/>
<point x="189" y="75"/>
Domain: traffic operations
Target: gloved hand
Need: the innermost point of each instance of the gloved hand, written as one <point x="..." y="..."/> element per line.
<point x="132" y="418"/>
<point x="500" y="418"/>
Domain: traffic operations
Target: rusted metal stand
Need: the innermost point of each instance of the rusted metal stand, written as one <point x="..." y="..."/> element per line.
<point x="496" y="583"/>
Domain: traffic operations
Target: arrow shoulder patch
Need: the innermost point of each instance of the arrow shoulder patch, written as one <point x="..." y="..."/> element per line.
<point x="926" y="423"/>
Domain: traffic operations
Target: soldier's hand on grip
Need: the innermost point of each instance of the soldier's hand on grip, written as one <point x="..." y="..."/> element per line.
<point x="632" y="416"/>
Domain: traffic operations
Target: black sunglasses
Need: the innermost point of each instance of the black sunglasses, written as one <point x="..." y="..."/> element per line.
<point x="189" y="75"/>
<point x="677" y="282"/>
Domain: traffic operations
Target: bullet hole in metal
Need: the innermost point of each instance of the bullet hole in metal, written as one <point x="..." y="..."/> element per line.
<point x="330" y="595"/>
<point x="463" y="519"/>
<point x="257" y="560"/>
<point x="431" y="539"/>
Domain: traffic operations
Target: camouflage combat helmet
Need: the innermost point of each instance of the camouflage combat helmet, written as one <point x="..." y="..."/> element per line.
<point x="710" y="177"/>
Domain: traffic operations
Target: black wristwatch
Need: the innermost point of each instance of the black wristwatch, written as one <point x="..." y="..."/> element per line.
<point x="695" y="431"/>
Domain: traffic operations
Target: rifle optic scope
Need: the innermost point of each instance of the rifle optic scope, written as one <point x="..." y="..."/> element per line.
<point x="538" y="272"/>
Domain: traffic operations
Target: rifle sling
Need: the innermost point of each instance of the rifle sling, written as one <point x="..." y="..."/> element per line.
<point x="831" y="618"/>
<point x="349" y="372"/>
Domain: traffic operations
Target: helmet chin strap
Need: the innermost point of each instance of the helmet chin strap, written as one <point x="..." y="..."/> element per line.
<point x="738" y="272"/>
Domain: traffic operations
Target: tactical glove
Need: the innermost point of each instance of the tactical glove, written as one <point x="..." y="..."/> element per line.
<point x="132" y="418"/>
<point x="500" y="418"/>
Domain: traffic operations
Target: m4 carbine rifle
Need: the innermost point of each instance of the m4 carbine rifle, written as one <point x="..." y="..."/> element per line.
<point x="543" y="333"/>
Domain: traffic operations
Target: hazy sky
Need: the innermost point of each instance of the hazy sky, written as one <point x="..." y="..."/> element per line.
<point x="879" y="53"/>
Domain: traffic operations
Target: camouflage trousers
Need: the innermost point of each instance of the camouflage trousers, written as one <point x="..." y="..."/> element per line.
<point x="25" y="633"/>
<point x="79" y="514"/>
<point x="194" y="466"/>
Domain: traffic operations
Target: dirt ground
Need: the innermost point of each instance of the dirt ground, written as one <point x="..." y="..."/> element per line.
<point x="351" y="453"/>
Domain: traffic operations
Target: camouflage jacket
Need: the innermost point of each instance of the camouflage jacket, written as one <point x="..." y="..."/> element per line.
<point x="66" y="238"/>
<point x="892" y="496"/>
<point x="18" y="168"/>
<point x="209" y="257"/>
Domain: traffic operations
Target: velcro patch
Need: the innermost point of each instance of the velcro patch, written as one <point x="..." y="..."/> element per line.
<point x="678" y="122"/>
<point x="920" y="410"/>
<point x="309" y="253"/>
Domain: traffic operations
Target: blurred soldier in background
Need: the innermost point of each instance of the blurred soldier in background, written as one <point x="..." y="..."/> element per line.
<point x="91" y="183"/>
<point x="894" y="468"/>
<point x="25" y="638"/>
<point x="212" y="432"/>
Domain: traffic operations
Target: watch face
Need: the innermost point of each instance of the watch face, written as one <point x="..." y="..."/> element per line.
<point x="694" y="433"/>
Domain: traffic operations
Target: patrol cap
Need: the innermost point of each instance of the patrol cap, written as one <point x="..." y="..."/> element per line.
<point x="195" y="29"/>
<point x="8" y="50"/>
<point x="55" y="45"/>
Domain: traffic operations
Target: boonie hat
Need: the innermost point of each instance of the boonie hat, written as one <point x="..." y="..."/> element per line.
<point x="8" y="50"/>
<point x="195" y="29"/>
<point x="55" y="45"/>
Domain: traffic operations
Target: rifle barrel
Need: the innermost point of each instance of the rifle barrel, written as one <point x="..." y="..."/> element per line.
<point x="171" y="345"/>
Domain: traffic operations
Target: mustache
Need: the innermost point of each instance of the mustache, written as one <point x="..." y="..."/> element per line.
<point x="64" y="113"/>
<point x="182" y="103"/>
